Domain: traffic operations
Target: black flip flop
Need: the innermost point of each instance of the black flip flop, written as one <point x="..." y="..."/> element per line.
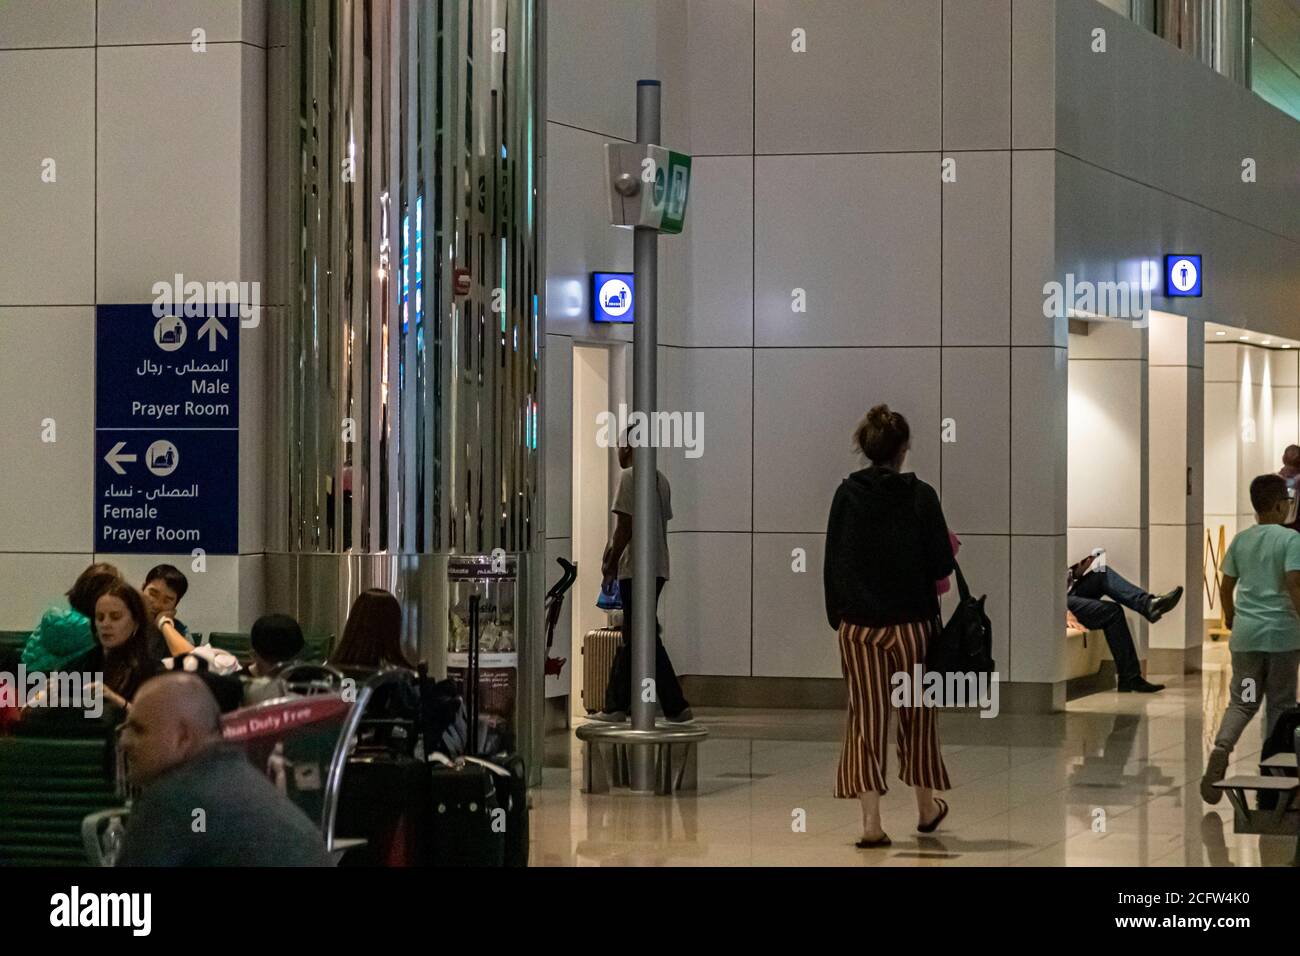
<point x="872" y="844"/>
<point x="934" y="824"/>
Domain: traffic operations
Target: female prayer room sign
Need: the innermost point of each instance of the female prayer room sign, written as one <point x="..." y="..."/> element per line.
<point x="166" y="429"/>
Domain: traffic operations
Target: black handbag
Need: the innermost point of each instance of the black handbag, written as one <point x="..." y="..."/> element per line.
<point x="965" y="643"/>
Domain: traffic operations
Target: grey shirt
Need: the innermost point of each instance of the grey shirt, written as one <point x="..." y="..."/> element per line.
<point x="624" y="504"/>
<point x="246" y="821"/>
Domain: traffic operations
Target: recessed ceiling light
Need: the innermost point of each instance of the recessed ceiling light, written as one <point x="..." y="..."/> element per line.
<point x="1244" y="338"/>
<point x="1268" y="341"/>
<point x="1220" y="333"/>
<point x="1286" y="346"/>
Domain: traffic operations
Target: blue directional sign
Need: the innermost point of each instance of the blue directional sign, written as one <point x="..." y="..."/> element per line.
<point x="166" y="430"/>
<point x="1182" y="275"/>
<point x="612" y="297"/>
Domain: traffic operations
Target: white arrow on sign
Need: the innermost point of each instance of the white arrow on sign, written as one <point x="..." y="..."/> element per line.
<point x="115" y="456"/>
<point x="212" y="328"/>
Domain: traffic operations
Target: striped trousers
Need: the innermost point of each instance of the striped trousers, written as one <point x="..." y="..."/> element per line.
<point x="870" y="657"/>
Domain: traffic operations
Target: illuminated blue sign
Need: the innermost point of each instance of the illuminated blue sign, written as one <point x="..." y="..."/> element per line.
<point x="1182" y="276"/>
<point x="166" y="430"/>
<point x="612" y="297"/>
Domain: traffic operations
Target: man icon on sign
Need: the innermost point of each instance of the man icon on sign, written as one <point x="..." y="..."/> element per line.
<point x="169" y="333"/>
<point x="1183" y="275"/>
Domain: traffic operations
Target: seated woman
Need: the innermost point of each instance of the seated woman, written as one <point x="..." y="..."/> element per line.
<point x="121" y="652"/>
<point x="64" y="635"/>
<point x="372" y="637"/>
<point x="372" y="641"/>
<point x="116" y="665"/>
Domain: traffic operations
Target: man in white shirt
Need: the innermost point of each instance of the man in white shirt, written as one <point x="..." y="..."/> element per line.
<point x="617" y="563"/>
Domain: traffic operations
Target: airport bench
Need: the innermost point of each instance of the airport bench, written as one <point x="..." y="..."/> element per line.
<point x="13" y="641"/>
<point x="48" y="785"/>
<point x="1279" y="762"/>
<point x="1083" y="652"/>
<point x="1283" y="819"/>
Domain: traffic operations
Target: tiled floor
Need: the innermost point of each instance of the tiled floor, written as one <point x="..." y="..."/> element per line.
<point x="1113" y="782"/>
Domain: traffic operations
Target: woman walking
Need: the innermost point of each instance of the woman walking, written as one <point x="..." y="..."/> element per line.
<point x="886" y="545"/>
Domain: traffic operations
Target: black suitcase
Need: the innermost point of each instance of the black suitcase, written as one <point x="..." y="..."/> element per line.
<point x="515" y="788"/>
<point x="511" y="780"/>
<point x="467" y="824"/>
<point x="480" y="806"/>
<point x="384" y="799"/>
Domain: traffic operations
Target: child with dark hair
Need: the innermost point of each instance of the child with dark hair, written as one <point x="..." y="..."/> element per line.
<point x="277" y="642"/>
<point x="1261" y="605"/>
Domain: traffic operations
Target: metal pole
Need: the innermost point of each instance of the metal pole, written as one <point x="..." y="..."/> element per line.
<point x="645" y="519"/>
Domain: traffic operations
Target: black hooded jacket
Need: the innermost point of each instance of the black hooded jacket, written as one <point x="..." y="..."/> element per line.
<point x="886" y="546"/>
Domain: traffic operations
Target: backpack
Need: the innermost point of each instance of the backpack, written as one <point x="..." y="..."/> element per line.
<point x="443" y="717"/>
<point x="965" y="644"/>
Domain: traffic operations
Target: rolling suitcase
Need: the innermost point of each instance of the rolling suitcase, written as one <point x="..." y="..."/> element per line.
<point x="598" y="650"/>
<point x="384" y="799"/>
<point x="480" y="806"/>
<point x="465" y="823"/>
<point x="512" y="797"/>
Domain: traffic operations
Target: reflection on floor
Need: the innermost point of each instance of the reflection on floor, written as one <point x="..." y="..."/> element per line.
<point x="1111" y="782"/>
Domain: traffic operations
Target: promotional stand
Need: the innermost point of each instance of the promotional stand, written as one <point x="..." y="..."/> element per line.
<point x="482" y="599"/>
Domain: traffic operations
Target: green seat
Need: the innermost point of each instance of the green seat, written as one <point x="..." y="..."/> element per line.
<point x="49" y="785"/>
<point x="13" y="641"/>
<point x="318" y="646"/>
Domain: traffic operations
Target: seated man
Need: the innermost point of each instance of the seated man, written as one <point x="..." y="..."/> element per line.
<point x="164" y="587"/>
<point x="1087" y="585"/>
<point x="276" y="641"/>
<point x="203" y="803"/>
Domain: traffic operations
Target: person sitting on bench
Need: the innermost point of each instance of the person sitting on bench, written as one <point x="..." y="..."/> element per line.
<point x="1087" y="583"/>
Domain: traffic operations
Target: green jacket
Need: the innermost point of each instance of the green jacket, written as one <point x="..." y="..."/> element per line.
<point x="62" y="636"/>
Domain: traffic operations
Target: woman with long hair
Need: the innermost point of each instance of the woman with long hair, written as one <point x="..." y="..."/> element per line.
<point x="122" y="637"/>
<point x="372" y="636"/>
<point x="64" y="634"/>
<point x="119" y="655"/>
<point x="887" y="544"/>
<point x="372" y="640"/>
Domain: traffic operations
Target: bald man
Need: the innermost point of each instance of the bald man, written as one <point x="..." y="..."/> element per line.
<point x="203" y="803"/>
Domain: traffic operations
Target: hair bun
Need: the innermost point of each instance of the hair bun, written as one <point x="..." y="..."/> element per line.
<point x="881" y="434"/>
<point x="880" y="415"/>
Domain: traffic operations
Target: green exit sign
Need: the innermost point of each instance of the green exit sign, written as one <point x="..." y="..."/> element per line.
<point x="648" y="186"/>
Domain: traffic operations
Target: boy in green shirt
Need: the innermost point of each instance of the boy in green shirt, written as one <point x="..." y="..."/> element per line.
<point x="1261" y="604"/>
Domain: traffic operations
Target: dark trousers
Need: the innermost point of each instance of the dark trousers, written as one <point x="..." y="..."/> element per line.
<point x="1085" y="602"/>
<point x="618" y="694"/>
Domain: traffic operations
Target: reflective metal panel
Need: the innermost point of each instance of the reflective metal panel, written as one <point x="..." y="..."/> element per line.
<point x="403" y="269"/>
<point x="1216" y="32"/>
